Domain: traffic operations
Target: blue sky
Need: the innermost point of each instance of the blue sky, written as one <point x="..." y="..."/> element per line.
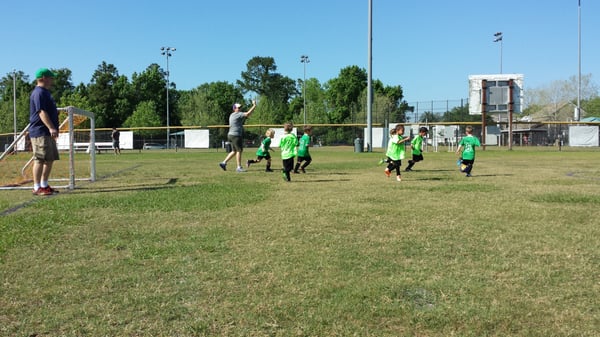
<point x="429" y="47"/>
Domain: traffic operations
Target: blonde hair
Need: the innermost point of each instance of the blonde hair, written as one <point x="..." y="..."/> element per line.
<point x="270" y="133"/>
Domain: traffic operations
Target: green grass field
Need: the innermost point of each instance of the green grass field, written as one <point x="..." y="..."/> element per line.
<point x="167" y="244"/>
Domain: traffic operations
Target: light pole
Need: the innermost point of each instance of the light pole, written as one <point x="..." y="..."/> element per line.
<point x="369" y="135"/>
<point x="15" y="107"/>
<point x="167" y="52"/>
<point x="304" y="59"/>
<point x="578" y="108"/>
<point x="498" y="38"/>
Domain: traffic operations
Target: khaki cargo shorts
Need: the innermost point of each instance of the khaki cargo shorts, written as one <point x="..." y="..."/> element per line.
<point x="44" y="149"/>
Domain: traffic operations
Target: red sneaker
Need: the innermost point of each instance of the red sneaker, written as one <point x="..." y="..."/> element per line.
<point x="43" y="191"/>
<point x="52" y="190"/>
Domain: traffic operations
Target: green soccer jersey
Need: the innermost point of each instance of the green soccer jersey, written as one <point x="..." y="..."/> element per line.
<point x="288" y="146"/>
<point x="303" y="146"/>
<point x="469" y="143"/>
<point x="417" y="145"/>
<point x="263" y="149"/>
<point x="395" y="150"/>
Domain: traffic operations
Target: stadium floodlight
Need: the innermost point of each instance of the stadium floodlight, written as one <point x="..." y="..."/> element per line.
<point x="304" y="59"/>
<point x="167" y="52"/>
<point x="498" y="38"/>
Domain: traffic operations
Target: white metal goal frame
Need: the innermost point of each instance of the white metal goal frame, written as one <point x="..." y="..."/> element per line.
<point x="69" y="122"/>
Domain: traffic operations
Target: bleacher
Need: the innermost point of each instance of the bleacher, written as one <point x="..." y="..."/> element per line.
<point x="100" y="146"/>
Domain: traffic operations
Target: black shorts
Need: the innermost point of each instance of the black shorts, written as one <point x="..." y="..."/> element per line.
<point x="417" y="157"/>
<point x="266" y="156"/>
<point x="237" y="143"/>
<point x="288" y="164"/>
<point x="305" y="158"/>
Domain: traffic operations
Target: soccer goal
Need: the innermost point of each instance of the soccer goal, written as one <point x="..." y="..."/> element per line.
<point x="16" y="162"/>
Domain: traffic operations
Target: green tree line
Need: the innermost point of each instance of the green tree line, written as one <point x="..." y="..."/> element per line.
<point x="141" y="100"/>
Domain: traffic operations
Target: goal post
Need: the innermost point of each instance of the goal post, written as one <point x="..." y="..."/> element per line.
<point x="71" y="113"/>
<point x="16" y="166"/>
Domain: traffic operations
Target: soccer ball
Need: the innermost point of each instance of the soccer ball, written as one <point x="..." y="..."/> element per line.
<point x="463" y="167"/>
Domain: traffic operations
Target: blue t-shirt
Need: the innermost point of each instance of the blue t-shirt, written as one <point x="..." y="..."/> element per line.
<point x="41" y="99"/>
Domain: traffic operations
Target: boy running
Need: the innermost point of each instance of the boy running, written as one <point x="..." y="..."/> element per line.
<point x="263" y="151"/>
<point x="303" y="155"/>
<point x="466" y="151"/>
<point x="417" y="148"/>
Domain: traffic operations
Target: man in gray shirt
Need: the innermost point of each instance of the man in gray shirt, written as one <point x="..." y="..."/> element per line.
<point x="236" y="135"/>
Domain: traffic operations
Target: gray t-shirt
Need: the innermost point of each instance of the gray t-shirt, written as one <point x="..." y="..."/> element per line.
<point x="236" y="124"/>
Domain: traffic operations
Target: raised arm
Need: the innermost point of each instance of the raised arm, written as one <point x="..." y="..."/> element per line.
<point x="249" y="112"/>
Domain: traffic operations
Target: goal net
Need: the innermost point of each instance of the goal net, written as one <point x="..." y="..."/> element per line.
<point x="16" y="161"/>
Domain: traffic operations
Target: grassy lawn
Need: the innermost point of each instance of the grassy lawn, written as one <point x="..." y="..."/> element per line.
<point x="167" y="244"/>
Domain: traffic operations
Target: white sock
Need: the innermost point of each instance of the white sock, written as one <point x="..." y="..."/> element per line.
<point x="36" y="187"/>
<point x="43" y="184"/>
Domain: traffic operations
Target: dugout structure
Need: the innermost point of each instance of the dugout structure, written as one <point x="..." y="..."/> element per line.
<point x="17" y="168"/>
<point x="496" y="93"/>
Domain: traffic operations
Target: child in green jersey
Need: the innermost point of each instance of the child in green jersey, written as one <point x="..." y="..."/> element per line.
<point x="396" y="151"/>
<point x="263" y="151"/>
<point x="466" y="151"/>
<point x="303" y="155"/>
<point x="417" y="148"/>
<point x="288" y="150"/>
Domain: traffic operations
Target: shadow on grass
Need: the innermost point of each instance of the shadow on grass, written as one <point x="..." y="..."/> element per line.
<point x="417" y="171"/>
<point x="581" y="175"/>
<point x="84" y="190"/>
<point x="432" y="179"/>
<point x="319" y="180"/>
<point x="131" y="188"/>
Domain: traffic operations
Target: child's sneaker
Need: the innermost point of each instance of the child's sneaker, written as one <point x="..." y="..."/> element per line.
<point x="223" y="166"/>
<point x="398" y="178"/>
<point x="302" y="170"/>
<point x="268" y="170"/>
<point x="387" y="173"/>
<point x="240" y="170"/>
<point x="248" y="164"/>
